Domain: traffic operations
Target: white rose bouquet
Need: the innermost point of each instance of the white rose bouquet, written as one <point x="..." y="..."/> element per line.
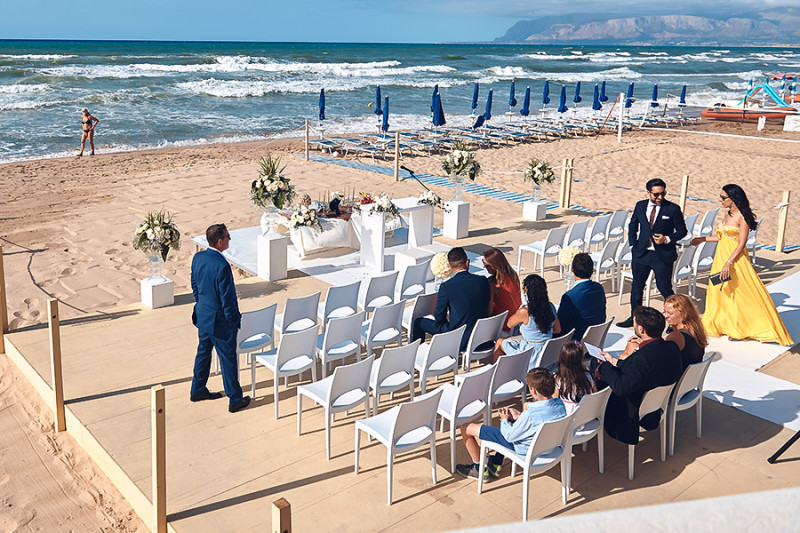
<point x="566" y="255"/>
<point x="271" y="188"/>
<point x="538" y="172"/>
<point x="461" y="162"/>
<point x="304" y="216"/>
<point x="384" y="204"/>
<point x="431" y="198"/>
<point x="440" y="266"/>
<point x="157" y="234"/>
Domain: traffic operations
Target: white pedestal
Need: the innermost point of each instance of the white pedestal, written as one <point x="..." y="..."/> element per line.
<point x="456" y="220"/>
<point x="413" y="256"/>
<point x="271" y="256"/>
<point x="420" y="221"/>
<point x="158" y="292"/>
<point x="373" y="228"/>
<point x="534" y="211"/>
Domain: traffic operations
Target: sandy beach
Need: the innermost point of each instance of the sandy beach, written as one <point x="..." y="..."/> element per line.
<point x="67" y="226"/>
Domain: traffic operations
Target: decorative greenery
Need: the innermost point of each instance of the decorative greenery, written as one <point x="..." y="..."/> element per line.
<point x="271" y="188"/>
<point x="440" y="266"/>
<point x="538" y="172"/>
<point x="157" y="234"/>
<point x="304" y="216"/>
<point x="461" y="162"/>
<point x="431" y="198"/>
<point x="384" y="204"/>
<point x="566" y="255"/>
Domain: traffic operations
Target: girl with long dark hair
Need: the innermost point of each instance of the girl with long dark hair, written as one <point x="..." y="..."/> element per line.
<point x="537" y="322"/>
<point x="740" y="307"/>
<point x="572" y="380"/>
<point x="504" y="282"/>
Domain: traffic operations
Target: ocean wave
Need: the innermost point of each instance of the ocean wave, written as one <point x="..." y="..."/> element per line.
<point x="509" y="72"/>
<point x="613" y="74"/>
<point x="21" y="88"/>
<point x="36" y="57"/>
<point x="27" y="105"/>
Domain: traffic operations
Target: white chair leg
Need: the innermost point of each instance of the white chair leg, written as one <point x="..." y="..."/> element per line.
<point x="662" y="430"/>
<point x="481" y="468"/>
<point x="410" y="390"/>
<point x="700" y="415"/>
<point x="631" y="447"/>
<point x="526" y="486"/>
<point x="357" y="448"/>
<point x="433" y="458"/>
<point x="299" y="411"/>
<point x="519" y="260"/>
<point x="327" y="434"/>
<point x="375" y="404"/>
<point x="389" y="465"/>
<point x="565" y="477"/>
<point x="253" y="378"/>
<point x="275" y="382"/>
<point x="452" y="448"/>
<point x="671" y="429"/>
<point x="600" y="450"/>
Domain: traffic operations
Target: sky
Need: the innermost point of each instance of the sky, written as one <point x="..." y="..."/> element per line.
<point x="395" y="21"/>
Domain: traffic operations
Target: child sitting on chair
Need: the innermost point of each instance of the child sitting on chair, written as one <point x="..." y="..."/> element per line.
<point x="516" y="430"/>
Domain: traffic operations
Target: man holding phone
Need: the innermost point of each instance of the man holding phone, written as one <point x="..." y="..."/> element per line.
<point x="656" y="227"/>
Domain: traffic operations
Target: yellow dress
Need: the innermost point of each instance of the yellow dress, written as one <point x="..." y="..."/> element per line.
<point x="742" y="309"/>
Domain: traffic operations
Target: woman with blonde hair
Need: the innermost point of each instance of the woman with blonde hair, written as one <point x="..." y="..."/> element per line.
<point x="687" y="328"/>
<point x="504" y="282"/>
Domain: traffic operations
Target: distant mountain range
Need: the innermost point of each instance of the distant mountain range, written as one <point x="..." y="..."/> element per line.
<point x="777" y="26"/>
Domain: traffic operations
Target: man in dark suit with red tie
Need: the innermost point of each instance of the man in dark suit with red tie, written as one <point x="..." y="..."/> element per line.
<point x="656" y="227"/>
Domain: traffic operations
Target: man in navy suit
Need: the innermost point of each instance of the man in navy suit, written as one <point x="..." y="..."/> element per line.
<point x="584" y="304"/>
<point x="656" y="227"/>
<point x="217" y="317"/>
<point x="462" y="299"/>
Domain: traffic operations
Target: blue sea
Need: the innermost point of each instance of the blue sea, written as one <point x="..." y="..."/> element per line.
<point x="164" y="94"/>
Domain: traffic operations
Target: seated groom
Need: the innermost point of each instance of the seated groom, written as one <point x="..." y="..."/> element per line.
<point x="462" y="299"/>
<point x="653" y="362"/>
<point x="584" y="304"/>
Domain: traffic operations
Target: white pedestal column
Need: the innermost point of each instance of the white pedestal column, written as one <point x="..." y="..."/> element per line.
<point x="271" y="258"/>
<point x="373" y="229"/>
<point x="158" y="292"/>
<point x="420" y="226"/>
<point x="456" y="220"/>
<point x="534" y="211"/>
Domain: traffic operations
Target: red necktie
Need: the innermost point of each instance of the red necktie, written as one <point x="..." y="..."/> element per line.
<point x="652" y="220"/>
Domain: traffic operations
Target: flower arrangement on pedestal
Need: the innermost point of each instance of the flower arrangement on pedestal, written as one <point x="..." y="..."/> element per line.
<point x="440" y="267"/>
<point x="565" y="257"/>
<point x="538" y="172"/>
<point x="156" y="236"/>
<point x="304" y="217"/>
<point x="271" y="188"/>
<point x="460" y="164"/>
<point x="431" y="198"/>
<point x="384" y="204"/>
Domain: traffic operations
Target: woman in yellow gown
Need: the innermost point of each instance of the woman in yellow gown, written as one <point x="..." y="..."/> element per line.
<point x="740" y="308"/>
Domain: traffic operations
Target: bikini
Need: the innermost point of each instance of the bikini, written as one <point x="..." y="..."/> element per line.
<point x="85" y="122"/>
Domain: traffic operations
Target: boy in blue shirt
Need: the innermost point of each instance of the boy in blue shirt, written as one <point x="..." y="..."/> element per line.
<point x="516" y="430"/>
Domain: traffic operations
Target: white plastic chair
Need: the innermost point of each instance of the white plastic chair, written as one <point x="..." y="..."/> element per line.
<point x="295" y="355"/>
<point x="341" y="339"/>
<point x="481" y="341"/>
<point x="752" y="239"/>
<point x="623" y="259"/>
<point x="598" y="233"/>
<point x="706" y="226"/>
<point x="461" y="405"/>
<point x="257" y="331"/>
<point x="552" y="349"/>
<point x="439" y="356"/>
<point x="577" y="234"/>
<point x="550" y="446"/>
<point x="605" y="261"/>
<point x="596" y="334"/>
<point x="550" y="246"/>
<point x="394" y="370"/>
<point x="653" y="400"/>
<point x="508" y="379"/>
<point x="384" y="327"/>
<point x="618" y="223"/>
<point x="340" y="301"/>
<point x="701" y="262"/>
<point x="401" y="429"/>
<point x="298" y="314"/>
<point x="683" y="268"/>
<point x="413" y="281"/>
<point x="689" y="393"/>
<point x="380" y="291"/>
<point x="424" y="305"/>
<point x="345" y="389"/>
<point x="588" y="423"/>
<point x="691" y="222"/>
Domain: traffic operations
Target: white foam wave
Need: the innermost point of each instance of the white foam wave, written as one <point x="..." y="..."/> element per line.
<point x="36" y="57"/>
<point x="613" y="74"/>
<point x="25" y="104"/>
<point x="508" y="72"/>
<point x="21" y="88"/>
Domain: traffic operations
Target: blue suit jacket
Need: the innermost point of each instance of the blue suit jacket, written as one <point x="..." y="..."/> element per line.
<point x="582" y="306"/>
<point x="216" y="309"/>
<point x="669" y="223"/>
<point x="463" y="299"/>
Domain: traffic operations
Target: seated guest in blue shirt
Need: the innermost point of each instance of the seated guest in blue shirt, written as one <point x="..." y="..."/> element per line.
<point x="584" y="304"/>
<point x="517" y="430"/>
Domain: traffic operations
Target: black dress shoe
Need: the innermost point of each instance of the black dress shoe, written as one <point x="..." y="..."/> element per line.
<point x="206" y="395"/>
<point x="626" y="323"/>
<point x="241" y="404"/>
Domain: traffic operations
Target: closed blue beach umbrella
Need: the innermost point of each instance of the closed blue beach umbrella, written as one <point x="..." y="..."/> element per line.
<point x="629" y="96"/>
<point x="751" y="84"/>
<point x="596" y="105"/>
<point x="487" y="114"/>
<point x="794" y="83"/>
<point x="577" y="99"/>
<point x="438" y="111"/>
<point x="546" y="93"/>
<point x="683" y="95"/>
<point x="385" y="122"/>
<point x="433" y="98"/>
<point x="783" y="83"/>
<point x="378" y="110"/>
<point x="563" y="102"/>
<point x="654" y="101"/>
<point x="526" y="103"/>
<point x="475" y="98"/>
<point x="603" y="97"/>
<point x="512" y="100"/>
<point x="322" y="104"/>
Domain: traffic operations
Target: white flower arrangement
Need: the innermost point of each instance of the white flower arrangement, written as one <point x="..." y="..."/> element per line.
<point x="384" y="204"/>
<point x="304" y="217"/>
<point x="431" y="198"/>
<point x="271" y="188"/>
<point x="157" y="234"/>
<point x="440" y="266"/>
<point x="538" y="172"/>
<point x="566" y="255"/>
<point x="461" y="162"/>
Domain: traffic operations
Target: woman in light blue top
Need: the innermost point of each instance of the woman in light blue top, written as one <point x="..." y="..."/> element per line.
<point x="537" y="321"/>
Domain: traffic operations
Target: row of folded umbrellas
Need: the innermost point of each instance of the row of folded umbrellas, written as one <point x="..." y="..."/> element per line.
<point x="437" y="111"/>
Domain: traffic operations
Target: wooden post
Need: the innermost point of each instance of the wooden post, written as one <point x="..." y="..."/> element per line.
<point x="563" y="189"/>
<point x="397" y="156"/>
<point x="783" y="215"/>
<point x="3" y="308"/>
<point x="307" y="140"/>
<point x="568" y="188"/>
<point x="159" y="438"/>
<point x="684" y="192"/>
<point x="55" y="365"/>
<point x="281" y="516"/>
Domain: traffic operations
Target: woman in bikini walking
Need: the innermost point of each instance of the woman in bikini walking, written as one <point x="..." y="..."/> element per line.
<point x="88" y="123"/>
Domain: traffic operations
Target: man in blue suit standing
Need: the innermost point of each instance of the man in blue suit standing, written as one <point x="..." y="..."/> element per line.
<point x="584" y="304"/>
<point x="462" y="299"/>
<point x="656" y="227"/>
<point x="217" y="318"/>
